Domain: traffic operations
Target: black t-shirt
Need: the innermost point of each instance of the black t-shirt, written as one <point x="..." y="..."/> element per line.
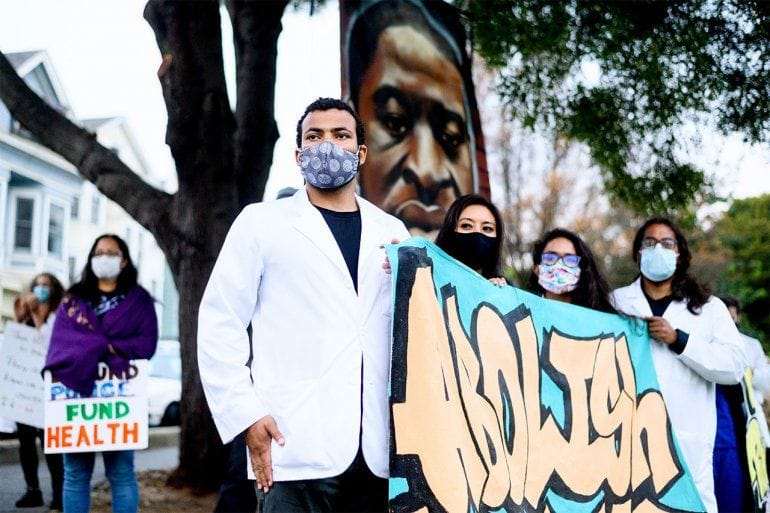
<point x="658" y="308"/>
<point x="346" y="228"/>
<point x="107" y="301"/>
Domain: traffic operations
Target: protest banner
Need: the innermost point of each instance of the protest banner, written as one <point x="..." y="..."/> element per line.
<point x="113" y="418"/>
<point x="756" y="451"/>
<point x="503" y="401"/>
<point x="22" y="357"/>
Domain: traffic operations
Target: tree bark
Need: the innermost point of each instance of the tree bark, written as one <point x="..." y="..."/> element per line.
<point x="256" y="27"/>
<point x="222" y="161"/>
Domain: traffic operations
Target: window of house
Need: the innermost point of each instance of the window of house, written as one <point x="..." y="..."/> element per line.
<point x="75" y="208"/>
<point x="72" y="270"/>
<point x="56" y="230"/>
<point x="25" y="211"/>
<point x="96" y="205"/>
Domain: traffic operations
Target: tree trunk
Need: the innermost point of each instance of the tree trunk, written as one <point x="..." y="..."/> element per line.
<point x="222" y="162"/>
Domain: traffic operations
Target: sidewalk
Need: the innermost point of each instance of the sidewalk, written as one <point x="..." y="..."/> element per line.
<point x="163" y="453"/>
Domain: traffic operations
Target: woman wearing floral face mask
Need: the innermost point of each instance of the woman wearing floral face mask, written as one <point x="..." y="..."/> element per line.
<point x="35" y="308"/>
<point x="693" y="341"/>
<point x="565" y="270"/>
<point x="105" y="317"/>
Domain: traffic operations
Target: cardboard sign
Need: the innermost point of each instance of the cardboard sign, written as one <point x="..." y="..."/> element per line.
<point x="22" y="356"/>
<point x="113" y="418"/>
<point x="503" y="401"/>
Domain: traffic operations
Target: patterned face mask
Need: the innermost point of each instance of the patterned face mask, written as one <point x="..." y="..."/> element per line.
<point x="327" y="166"/>
<point x="558" y="278"/>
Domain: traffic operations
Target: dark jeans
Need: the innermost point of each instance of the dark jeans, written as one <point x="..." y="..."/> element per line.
<point x="356" y="490"/>
<point x="237" y="493"/>
<point x="28" y="435"/>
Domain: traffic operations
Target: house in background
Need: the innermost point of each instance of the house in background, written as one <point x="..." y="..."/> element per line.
<point x="37" y="189"/>
<point x="50" y="216"/>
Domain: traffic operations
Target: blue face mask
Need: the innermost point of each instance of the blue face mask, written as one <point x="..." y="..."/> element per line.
<point x="658" y="263"/>
<point x="42" y="293"/>
<point x="327" y="165"/>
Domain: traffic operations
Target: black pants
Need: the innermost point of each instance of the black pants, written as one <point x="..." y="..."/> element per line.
<point x="237" y="493"/>
<point x="356" y="490"/>
<point x="28" y="435"/>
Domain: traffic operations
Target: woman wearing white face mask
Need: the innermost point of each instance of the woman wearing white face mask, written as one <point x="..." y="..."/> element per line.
<point x="105" y="317"/>
<point x="565" y="270"/>
<point x="693" y="340"/>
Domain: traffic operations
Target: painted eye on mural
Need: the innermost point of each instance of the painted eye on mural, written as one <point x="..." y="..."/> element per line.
<point x="396" y="124"/>
<point x="451" y="137"/>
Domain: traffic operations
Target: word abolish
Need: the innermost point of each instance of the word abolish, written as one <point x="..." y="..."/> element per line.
<point x="493" y="443"/>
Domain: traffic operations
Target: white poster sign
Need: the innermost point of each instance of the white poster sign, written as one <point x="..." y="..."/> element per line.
<point x="114" y="418"/>
<point x="22" y="357"/>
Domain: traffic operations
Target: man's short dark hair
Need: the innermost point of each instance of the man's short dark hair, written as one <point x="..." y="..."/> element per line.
<point x="332" y="104"/>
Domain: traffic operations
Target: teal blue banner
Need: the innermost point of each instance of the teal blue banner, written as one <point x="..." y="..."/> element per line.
<point x="504" y="401"/>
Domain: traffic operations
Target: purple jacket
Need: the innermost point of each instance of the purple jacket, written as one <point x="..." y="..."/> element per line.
<point x="79" y="339"/>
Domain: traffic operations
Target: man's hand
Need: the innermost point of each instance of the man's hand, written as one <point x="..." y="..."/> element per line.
<point x="661" y="330"/>
<point x="258" y="439"/>
<point x="386" y="263"/>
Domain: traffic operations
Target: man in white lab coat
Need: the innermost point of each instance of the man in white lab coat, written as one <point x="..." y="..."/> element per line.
<point x="307" y="273"/>
<point x="694" y="343"/>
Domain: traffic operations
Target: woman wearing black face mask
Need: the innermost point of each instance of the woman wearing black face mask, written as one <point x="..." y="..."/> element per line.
<point x="472" y="233"/>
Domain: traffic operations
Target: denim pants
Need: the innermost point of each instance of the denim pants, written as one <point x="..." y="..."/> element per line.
<point x="119" y="467"/>
<point x="357" y="490"/>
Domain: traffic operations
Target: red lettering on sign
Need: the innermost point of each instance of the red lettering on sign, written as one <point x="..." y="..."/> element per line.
<point x="52" y="437"/>
<point x="66" y="436"/>
<point x="113" y="427"/>
<point x="132" y="432"/>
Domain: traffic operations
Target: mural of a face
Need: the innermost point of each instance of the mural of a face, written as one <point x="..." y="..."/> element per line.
<point x="406" y="82"/>
<point x="411" y="100"/>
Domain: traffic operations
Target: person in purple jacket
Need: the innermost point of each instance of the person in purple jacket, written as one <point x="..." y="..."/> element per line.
<point x="105" y="317"/>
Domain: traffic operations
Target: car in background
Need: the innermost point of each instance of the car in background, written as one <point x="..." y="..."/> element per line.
<point x="165" y="384"/>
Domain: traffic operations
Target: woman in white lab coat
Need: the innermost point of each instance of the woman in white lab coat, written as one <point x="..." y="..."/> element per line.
<point x="694" y="342"/>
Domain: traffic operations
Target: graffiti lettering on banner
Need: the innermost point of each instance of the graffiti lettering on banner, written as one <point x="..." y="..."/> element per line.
<point x="21" y="386"/>
<point x="756" y="452"/>
<point x="112" y="418"/>
<point x="503" y="401"/>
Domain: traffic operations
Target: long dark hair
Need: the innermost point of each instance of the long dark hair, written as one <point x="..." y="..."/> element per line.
<point x="491" y="268"/>
<point x="57" y="290"/>
<point x="683" y="286"/>
<point x="592" y="290"/>
<point x="88" y="286"/>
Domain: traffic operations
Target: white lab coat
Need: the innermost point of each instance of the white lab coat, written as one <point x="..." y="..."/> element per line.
<point x="281" y="270"/>
<point x="714" y="354"/>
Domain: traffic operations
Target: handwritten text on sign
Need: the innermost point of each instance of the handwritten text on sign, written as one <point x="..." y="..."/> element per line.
<point x="113" y="418"/>
<point x="21" y="386"/>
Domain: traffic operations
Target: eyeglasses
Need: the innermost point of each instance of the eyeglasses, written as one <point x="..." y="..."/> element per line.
<point x="108" y="253"/>
<point x="651" y="242"/>
<point x="550" y="258"/>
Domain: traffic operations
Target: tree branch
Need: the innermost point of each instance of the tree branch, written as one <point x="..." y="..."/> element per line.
<point x="256" y="27"/>
<point x="79" y="147"/>
<point x="200" y="122"/>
